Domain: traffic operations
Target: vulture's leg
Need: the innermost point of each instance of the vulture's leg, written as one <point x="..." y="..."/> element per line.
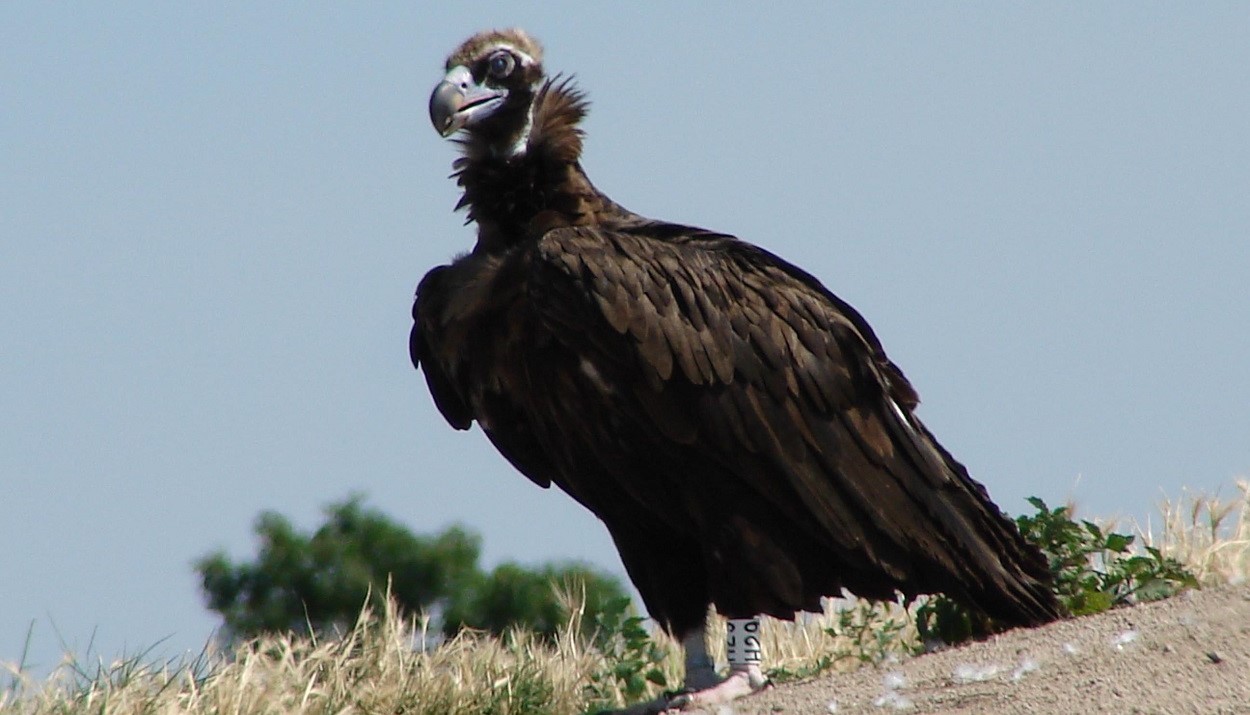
<point x="704" y="688"/>
<point x="701" y="678"/>
<point x="700" y="668"/>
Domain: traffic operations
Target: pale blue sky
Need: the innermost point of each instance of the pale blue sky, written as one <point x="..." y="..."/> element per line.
<point x="213" y="215"/>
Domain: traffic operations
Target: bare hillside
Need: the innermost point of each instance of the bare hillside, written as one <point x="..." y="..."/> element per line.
<point x="1189" y="654"/>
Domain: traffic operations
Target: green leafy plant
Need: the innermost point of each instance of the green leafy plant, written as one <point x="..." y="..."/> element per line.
<point x="862" y="633"/>
<point x="870" y="633"/>
<point x="781" y="674"/>
<point x="633" y="661"/>
<point x="943" y="620"/>
<point x="1093" y="571"/>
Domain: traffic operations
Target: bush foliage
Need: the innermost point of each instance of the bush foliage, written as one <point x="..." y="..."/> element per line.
<point x="300" y="582"/>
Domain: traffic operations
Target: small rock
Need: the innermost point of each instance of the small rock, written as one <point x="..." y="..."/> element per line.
<point x="1214" y="657"/>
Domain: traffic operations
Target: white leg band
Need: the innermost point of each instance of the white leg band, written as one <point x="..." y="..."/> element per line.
<point x="742" y="642"/>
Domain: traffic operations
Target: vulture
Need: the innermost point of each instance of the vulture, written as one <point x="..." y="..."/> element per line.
<point x="736" y="426"/>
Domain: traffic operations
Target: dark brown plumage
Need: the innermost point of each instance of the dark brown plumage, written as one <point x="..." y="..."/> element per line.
<point x="736" y="426"/>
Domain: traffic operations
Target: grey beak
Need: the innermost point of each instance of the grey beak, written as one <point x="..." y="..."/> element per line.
<point x="459" y="101"/>
<point x="445" y="101"/>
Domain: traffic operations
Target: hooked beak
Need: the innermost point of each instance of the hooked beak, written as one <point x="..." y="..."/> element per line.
<point x="458" y="101"/>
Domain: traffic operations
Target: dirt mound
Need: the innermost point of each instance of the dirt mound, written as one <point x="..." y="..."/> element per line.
<point x="1189" y="654"/>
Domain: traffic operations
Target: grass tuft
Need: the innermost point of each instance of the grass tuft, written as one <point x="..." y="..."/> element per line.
<point x="1208" y="534"/>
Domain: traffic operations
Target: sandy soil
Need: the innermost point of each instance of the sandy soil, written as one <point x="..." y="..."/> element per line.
<point x="1189" y="654"/>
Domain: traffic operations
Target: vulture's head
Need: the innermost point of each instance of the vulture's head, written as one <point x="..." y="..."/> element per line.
<point x="489" y="87"/>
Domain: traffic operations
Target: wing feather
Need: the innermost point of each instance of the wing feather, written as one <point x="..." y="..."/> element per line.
<point x="753" y="362"/>
<point x="430" y="301"/>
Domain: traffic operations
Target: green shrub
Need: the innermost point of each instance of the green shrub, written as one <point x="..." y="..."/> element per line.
<point x="1093" y="571"/>
<point x="633" y="662"/>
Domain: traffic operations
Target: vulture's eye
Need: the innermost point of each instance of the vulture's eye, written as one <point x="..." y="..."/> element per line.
<point x="501" y="64"/>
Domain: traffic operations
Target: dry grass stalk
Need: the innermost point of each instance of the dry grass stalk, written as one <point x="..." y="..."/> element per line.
<point x="846" y="635"/>
<point x="1210" y="535"/>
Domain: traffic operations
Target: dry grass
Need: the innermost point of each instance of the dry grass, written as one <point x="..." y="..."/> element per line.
<point x="1210" y="535"/>
<point x="848" y="634"/>
<point x="379" y="667"/>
